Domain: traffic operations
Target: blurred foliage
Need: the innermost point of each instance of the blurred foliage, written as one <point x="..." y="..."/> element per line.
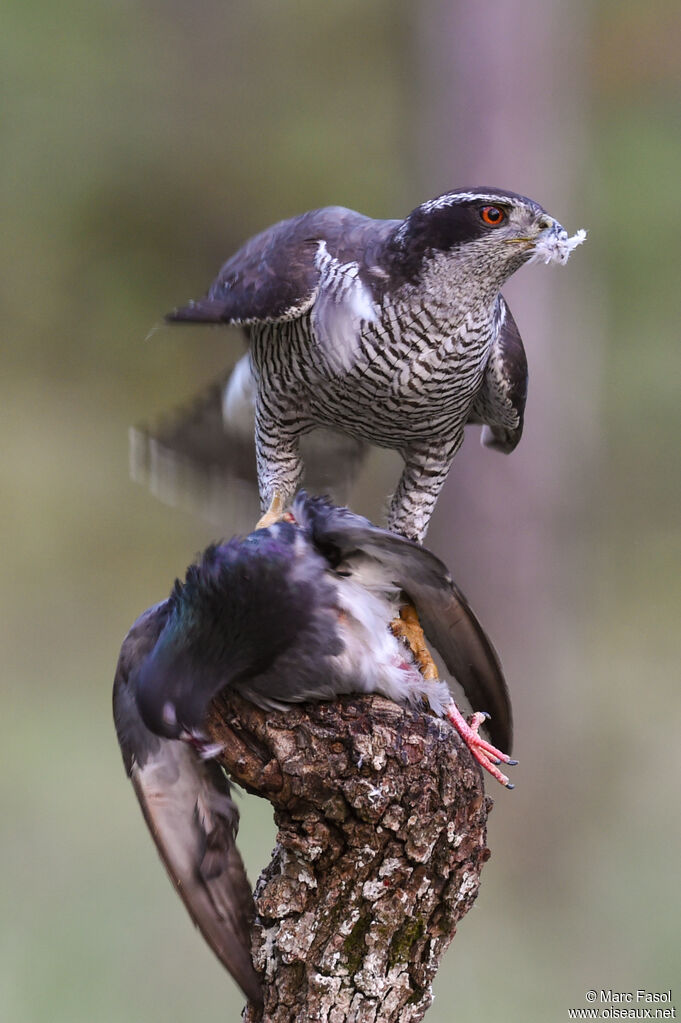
<point x="141" y="143"/>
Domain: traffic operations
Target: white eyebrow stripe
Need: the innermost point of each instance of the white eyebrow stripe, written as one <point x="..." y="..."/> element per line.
<point x="451" y="199"/>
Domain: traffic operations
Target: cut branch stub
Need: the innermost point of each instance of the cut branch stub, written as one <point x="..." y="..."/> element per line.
<point x="382" y="836"/>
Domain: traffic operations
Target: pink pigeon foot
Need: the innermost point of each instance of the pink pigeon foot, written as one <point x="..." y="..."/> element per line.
<point x="484" y="753"/>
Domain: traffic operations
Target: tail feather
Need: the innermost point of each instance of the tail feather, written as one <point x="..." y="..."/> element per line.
<point x="194" y="460"/>
<point x="202" y="456"/>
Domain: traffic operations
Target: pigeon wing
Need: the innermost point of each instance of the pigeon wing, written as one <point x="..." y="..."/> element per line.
<point x="187" y="805"/>
<point x="446" y="617"/>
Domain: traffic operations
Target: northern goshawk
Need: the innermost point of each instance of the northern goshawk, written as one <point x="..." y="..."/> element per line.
<point x="392" y="332"/>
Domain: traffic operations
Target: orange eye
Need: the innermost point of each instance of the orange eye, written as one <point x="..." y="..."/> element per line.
<point x="492" y="215"/>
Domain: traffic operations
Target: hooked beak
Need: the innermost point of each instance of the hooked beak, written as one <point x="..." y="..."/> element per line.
<point x="552" y="244"/>
<point x="544" y="225"/>
<point x="199" y="742"/>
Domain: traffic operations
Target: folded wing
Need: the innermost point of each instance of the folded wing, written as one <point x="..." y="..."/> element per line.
<point x="446" y="617"/>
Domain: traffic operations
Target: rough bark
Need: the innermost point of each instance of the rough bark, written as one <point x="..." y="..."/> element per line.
<point x="382" y="836"/>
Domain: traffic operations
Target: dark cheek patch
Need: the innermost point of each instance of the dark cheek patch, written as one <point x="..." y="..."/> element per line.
<point x="449" y="227"/>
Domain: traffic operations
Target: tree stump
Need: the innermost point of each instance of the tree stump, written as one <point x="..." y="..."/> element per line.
<point x="382" y="817"/>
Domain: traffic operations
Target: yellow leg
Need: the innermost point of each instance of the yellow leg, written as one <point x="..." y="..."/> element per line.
<point x="273" y="513"/>
<point x="408" y="628"/>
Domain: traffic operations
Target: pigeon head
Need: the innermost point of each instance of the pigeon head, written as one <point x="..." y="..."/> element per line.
<point x="223" y="627"/>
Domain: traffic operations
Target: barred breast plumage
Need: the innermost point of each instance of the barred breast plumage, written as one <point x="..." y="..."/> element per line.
<point x="391" y="332"/>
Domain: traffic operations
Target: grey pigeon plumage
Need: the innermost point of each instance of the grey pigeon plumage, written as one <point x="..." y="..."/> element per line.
<point x="298" y="611"/>
<point x="188" y="809"/>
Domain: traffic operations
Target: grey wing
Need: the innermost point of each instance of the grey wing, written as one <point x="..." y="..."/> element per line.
<point x="188" y="809"/>
<point x="273" y="276"/>
<point x="446" y="617"/>
<point x="276" y="274"/>
<point x="202" y="456"/>
<point x="500" y="403"/>
<point x="322" y="263"/>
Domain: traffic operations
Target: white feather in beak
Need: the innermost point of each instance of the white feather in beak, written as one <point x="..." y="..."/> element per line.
<point x="554" y="246"/>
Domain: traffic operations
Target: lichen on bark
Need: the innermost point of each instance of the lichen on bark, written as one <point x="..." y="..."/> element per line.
<point x="381" y="817"/>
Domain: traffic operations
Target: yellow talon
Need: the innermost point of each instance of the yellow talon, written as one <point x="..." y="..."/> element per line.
<point x="408" y="628"/>
<point x="273" y="513"/>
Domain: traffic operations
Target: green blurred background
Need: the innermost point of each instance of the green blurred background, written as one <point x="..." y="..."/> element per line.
<point x="142" y="142"/>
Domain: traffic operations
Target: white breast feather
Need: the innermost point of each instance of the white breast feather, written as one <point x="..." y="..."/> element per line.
<point x="238" y="399"/>
<point x="342" y="303"/>
<point x="374" y="660"/>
